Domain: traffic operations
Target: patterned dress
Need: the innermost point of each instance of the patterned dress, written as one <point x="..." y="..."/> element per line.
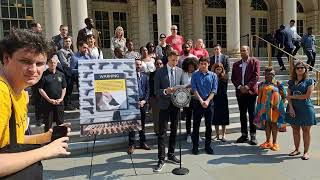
<point x="270" y="104"/>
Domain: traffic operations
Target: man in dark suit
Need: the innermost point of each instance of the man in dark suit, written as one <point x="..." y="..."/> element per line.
<point x="89" y="29"/>
<point x="165" y="80"/>
<point x="218" y="57"/>
<point x="284" y="39"/>
<point x="245" y="77"/>
<point x="58" y="39"/>
<point x="143" y="88"/>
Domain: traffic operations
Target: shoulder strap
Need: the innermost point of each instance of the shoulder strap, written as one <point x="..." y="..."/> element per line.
<point x="12" y="127"/>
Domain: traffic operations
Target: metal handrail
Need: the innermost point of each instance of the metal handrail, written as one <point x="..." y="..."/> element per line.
<point x="291" y="57"/>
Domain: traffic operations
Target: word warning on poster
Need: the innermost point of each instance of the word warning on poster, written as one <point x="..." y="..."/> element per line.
<point x="108" y="97"/>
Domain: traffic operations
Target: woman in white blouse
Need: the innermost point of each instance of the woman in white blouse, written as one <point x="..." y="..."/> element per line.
<point x="94" y="51"/>
<point x="147" y="61"/>
<point x="118" y="40"/>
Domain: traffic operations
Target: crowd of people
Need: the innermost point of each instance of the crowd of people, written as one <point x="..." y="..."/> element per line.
<point x="160" y="69"/>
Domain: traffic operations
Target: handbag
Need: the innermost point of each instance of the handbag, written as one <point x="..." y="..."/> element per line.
<point x="32" y="172"/>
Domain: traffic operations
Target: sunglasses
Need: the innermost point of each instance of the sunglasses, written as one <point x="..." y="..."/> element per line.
<point x="159" y="64"/>
<point x="299" y="67"/>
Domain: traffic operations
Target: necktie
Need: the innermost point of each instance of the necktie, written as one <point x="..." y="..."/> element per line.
<point x="217" y="59"/>
<point x="172" y="79"/>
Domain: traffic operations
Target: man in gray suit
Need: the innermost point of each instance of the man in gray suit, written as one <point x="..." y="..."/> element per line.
<point x="218" y="57"/>
<point x="58" y="39"/>
<point x="165" y="80"/>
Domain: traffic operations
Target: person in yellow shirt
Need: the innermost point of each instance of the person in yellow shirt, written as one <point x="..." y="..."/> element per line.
<point x="23" y="55"/>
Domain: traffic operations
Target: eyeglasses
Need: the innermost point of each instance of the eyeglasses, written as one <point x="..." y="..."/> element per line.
<point x="299" y="67"/>
<point x="158" y="64"/>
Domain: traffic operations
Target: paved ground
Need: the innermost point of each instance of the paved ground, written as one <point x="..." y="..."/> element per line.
<point x="231" y="161"/>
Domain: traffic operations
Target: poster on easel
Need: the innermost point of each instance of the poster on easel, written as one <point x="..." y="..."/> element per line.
<point x="108" y="96"/>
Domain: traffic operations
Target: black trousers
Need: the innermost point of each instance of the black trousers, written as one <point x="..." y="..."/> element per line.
<point x="198" y="113"/>
<point x="188" y="116"/>
<point x="280" y="54"/>
<point x="52" y="113"/>
<point x="132" y="134"/>
<point x="297" y="45"/>
<point x="247" y="103"/>
<point x="69" y="89"/>
<point x="165" y="115"/>
<point x="311" y="57"/>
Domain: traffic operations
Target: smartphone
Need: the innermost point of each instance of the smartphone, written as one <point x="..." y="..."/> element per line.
<point x="59" y="132"/>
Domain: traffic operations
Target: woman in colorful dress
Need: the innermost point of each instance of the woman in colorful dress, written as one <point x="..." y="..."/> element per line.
<point x="270" y="112"/>
<point x="221" y="109"/>
<point x="300" y="110"/>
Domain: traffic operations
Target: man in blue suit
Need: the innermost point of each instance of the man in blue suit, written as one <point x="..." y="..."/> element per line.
<point x="284" y="39"/>
<point x="143" y="88"/>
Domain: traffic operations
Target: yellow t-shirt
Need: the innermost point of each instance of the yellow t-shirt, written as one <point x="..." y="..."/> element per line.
<point x="20" y="108"/>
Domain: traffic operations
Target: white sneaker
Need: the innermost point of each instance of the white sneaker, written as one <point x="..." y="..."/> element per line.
<point x="200" y="139"/>
<point x="189" y="139"/>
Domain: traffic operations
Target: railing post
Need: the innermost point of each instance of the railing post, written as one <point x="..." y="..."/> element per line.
<point x="290" y="64"/>
<point x="318" y="87"/>
<point x="269" y="54"/>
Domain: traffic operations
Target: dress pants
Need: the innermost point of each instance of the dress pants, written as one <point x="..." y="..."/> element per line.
<point x="188" y="116"/>
<point x="52" y="113"/>
<point x="247" y="103"/>
<point x="132" y="134"/>
<point x="198" y="113"/>
<point x="297" y="45"/>
<point x="311" y="57"/>
<point x="164" y="116"/>
<point x="280" y="54"/>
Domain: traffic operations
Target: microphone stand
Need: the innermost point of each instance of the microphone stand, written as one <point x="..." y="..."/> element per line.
<point x="180" y="170"/>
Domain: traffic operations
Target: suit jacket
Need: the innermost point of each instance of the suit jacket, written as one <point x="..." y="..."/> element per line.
<point x="57" y="41"/>
<point x="251" y="76"/>
<point x="224" y="60"/>
<point x="161" y="82"/>
<point x="144" y="90"/>
<point x="82" y="36"/>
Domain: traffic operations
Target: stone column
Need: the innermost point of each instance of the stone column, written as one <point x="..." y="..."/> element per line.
<point x="143" y="14"/>
<point x="245" y="25"/>
<point x="53" y="17"/>
<point x="289" y="11"/>
<point x="79" y="11"/>
<point x="198" y="22"/>
<point x="164" y="16"/>
<point x="233" y="27"/>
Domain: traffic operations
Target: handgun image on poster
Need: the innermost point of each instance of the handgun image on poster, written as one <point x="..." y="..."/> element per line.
<point x="108" y="95"/>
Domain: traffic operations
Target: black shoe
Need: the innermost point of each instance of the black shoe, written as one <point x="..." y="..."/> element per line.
<point x="145" y="146"/>
<point x="159" y="166"/>
<point x="209" y="150"/>
<point x="283" y="68"/>
<point x="173" y="159"/>
<point x="253" y="141"/>
<point x="242" y="139"/>
<point x="195" y="151"/>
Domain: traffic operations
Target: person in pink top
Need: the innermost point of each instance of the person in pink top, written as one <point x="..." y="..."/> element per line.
<point x="175" y="40"/>
<point x="199" y="49"/>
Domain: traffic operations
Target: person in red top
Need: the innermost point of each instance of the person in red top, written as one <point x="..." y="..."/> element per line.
<point x="175" y="40"/>
<point x="199" y="49"/>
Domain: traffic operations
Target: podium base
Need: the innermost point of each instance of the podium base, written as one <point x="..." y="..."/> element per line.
<point x="180" y="171"/>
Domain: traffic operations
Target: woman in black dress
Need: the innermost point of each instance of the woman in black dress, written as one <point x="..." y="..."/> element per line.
<point x="221" y="109"/>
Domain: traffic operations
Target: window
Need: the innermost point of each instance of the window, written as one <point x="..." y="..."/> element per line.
<point x="209" y="32"/>
<point x="120" y="19"/>
<point x="221" y="31"/>
<point x="299" y="7"/>
<point x="173" y="2"/>
<point x="155" y="29"/>
<point x="175" y="20"/>
<point x="259" y="5"/>
<point x="15" y="13"/>
<point x="102" y="25"/>
<point x="300" y="27"/>
<point x="261" y="28"/>
<point x="216" y="3"/>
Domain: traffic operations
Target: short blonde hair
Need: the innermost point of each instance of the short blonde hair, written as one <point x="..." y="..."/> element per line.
<point x="119" y="28"/>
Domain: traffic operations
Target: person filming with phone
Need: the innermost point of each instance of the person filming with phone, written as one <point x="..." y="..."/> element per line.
<point x="23" y="58"/>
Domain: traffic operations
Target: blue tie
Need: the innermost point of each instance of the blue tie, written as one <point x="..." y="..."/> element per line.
<point x="172" y="80"/>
